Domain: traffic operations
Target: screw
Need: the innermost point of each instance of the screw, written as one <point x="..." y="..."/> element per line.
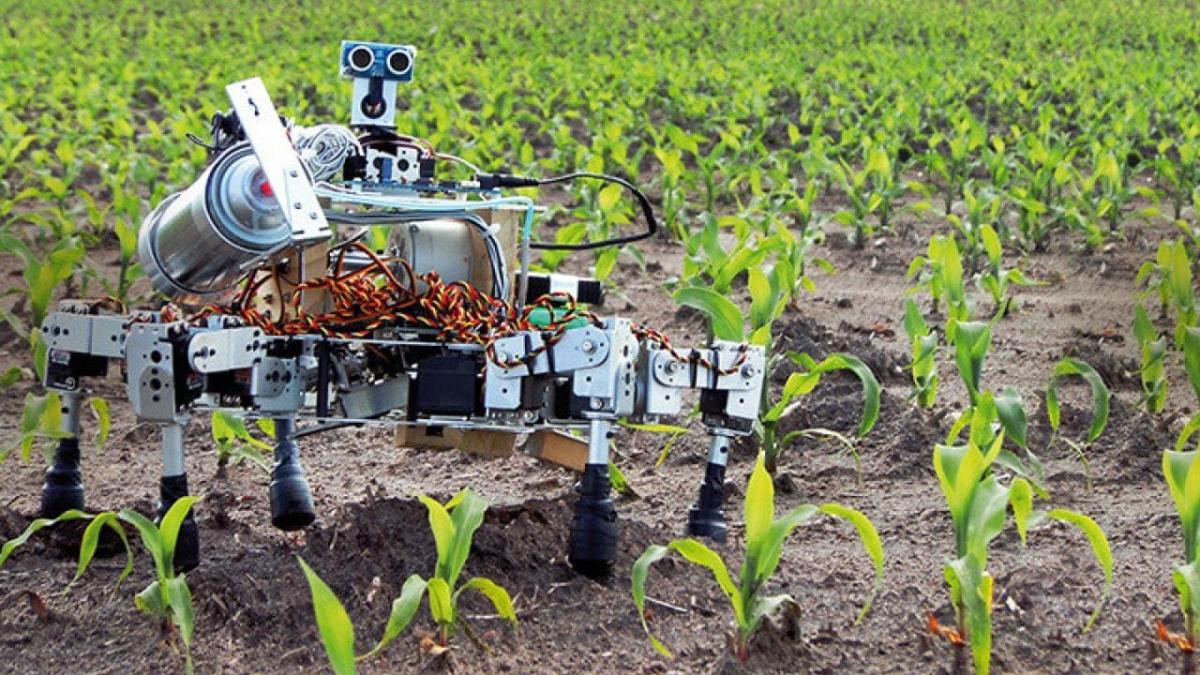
<point x="312" y="215"/>
<point x="597" y="403"/>
<point x="588" y="347"/>
<point x="748" y="371"/>
<point x="297" y="205"/>
<point x="293" y="173"/>
<point x="670" y="367"/>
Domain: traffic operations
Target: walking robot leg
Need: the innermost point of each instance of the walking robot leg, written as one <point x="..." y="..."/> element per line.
<point x="63" y="489"/>
<point x="173" y="486"/>
<point x="593" y="542"/>
<point x="291" y="499"/>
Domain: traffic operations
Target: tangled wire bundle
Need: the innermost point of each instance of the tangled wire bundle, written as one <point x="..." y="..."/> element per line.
<point x="387" y="291"/>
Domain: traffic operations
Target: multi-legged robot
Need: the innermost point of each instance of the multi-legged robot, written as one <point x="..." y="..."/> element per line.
<point x="408" y="315"/>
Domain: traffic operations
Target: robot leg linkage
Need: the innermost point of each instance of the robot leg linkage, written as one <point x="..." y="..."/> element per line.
<point x="593" y="543"/>
<point x="291" y="499"/>
<point x="63" y="489"/>
<point x="173" y="486"/>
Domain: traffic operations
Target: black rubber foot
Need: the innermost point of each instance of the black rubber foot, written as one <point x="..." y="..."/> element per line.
<point x="63" y="489"/>
<point x="291" y="499"/>
<point x="187" y="546"/>
<point x="705" y="519"/>
<point x="593" y="543"/>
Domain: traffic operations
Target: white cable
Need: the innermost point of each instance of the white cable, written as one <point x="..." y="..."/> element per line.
<point x="325" y="148"/>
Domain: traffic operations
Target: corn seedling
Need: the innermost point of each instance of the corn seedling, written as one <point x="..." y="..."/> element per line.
<point x="941" y="271"/>
<point x="982" y="208"/>
<point x="951" y="155"/>
<point x="1153" y="369"/>
<point x="454" y="524"/>
<point x="168" y="598"/>
<point x="871" y="192"/>
<point x="1182" y="473"/>
<point x="803" y="382"/>
<point x="988" y="412"/>
<point x="978" y="505"/>
<point x="235" y="443"/>
<point x="995" y="279"/>
<point x="924" y="355"/>
<point x="765" y="536"/>
<point x="1169" y="277"/>
<point x="1101" y="395"/>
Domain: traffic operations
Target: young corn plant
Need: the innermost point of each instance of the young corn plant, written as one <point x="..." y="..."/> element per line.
<point x="1169" y="277"/>
<point x="982" y="208"/>
<point x="1191" y="364"/>
<point x="995" y="279"/>
<point x="989" y="412"/>
<point x="235" y="443"/>
<point x="765" y="536"/>
<point x="1153" y="370"/>
<point x="871" y="192"/>
<point x="978" y="504"/>
<point x="1101" y="396"/>
<point x="805" y="381"/>
<point x="1182" y="473"/>
<point x="941" y="271"/>
<point x="168" y="598"/>
<point x="924" y="355"/>
<point x="454" y="524"/>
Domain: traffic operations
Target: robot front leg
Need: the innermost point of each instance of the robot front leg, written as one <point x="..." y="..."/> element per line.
<point x="63" y="489"/>
<point x="291" y="499"/>
<point x="593" y="542"/>
<point x="173" y="486"/>
<point x="705" y="519"/>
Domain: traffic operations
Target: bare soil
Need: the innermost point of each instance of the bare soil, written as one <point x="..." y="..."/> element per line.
<point x="253" y="613"/>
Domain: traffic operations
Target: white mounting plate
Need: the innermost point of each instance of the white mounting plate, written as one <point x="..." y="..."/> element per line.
<point x="280" y="164"/>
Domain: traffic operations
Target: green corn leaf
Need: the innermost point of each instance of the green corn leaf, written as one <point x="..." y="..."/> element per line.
<point x="698" y="554"/>
<point x="724" y="316"/>
<point x="1182" y="473"/>
<point x="404" y="608"/>
<point x="1189" y="429"/>
<point x="991" y="244"/>
<point x="494" y="593"/>
<point x="1101" y="395"/>
<point x="1187" y="582"/>
<point x="466" y="514"/>
<point x="637" y="588"/>
<point x="337" y="632"/>
<point x="91" y="538"/>
<point x="975" y="592"/>
<point x="762" y="300"/>
<point x="758" y="569"/>
<point x="36" y="526"/>
<point x="971" y="344"/>
<point x="1012" y="415"/>
<point x="103" y="419"/>
<point x="179" y="597"/>
<point x="1020" y="495"/>
<point x="443" y="532"/>
<point x="759" y="506"/>
<point x="441" y="604"/>
<point x="1100" y="548"/>
<point x="151" y="539"/>
<point x="871" y="544"/>
<point x="1191" y="357"/>
<point x="151" y="602"/>
<point x="169" y="528"/>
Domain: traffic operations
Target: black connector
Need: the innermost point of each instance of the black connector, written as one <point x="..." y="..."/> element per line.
<point x="492" y="181"/>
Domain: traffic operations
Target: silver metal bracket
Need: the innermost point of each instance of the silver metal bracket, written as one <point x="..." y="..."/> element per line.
<point x="279" y="160"/>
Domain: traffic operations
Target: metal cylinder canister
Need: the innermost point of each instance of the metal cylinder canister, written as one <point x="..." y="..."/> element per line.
<point x="197" y="244"/>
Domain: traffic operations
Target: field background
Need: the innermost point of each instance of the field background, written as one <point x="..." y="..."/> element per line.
<point x="863" y="128"/>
